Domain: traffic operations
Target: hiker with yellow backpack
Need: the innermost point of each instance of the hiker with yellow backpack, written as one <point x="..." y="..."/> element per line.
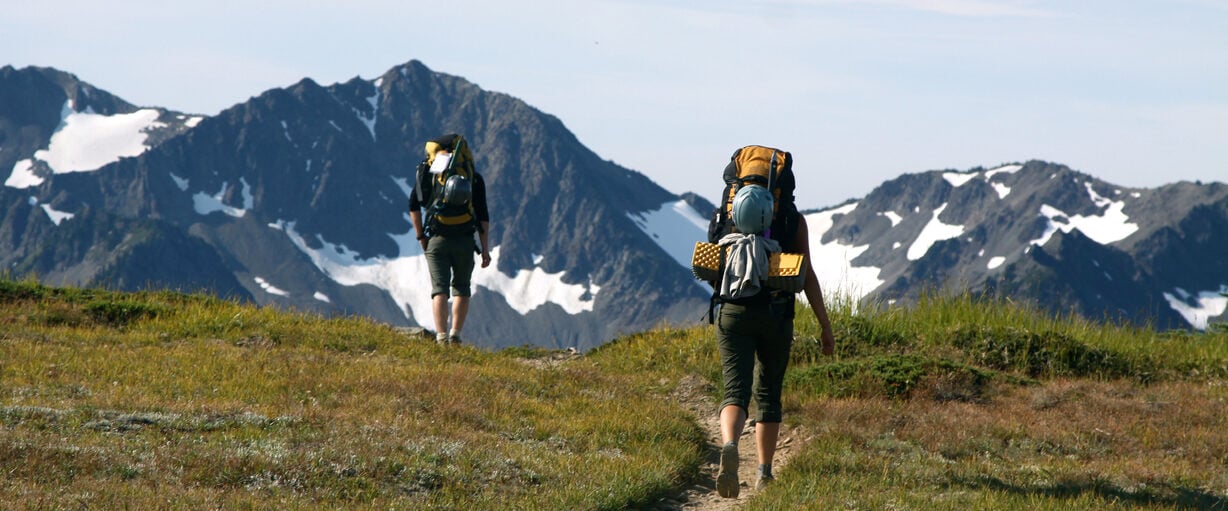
<point x="757" y="218"/>
<point x="453" y="196"/>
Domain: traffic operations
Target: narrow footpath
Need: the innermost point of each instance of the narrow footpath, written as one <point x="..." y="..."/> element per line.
<point x="695" y="395"/>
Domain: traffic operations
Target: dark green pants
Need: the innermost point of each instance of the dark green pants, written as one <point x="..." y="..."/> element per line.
<point x="754" y="344"/>
<point x="450" y="261"/>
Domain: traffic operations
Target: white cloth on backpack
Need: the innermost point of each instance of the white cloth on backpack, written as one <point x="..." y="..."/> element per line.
<point x="441" y="163"/>
<point x="747" y="264"/>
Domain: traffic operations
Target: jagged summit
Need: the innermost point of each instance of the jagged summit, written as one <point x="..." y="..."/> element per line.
<point x="301" y="193"/>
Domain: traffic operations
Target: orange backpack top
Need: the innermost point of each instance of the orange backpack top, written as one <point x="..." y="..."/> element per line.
<point x="765" y="166"/>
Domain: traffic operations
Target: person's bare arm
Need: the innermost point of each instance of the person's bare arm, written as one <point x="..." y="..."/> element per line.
<point x="484" y="239"/>
<point x="415" y="217"/>
<point x="814" y="294"/>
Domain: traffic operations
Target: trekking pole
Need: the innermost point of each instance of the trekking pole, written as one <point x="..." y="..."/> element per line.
<point x="456" y="149"/>
<point x="772" y="171"/>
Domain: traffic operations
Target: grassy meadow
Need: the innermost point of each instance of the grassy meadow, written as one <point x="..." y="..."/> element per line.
<point x="161" y="400"/>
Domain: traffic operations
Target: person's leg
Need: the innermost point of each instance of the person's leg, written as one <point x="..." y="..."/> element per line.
<point x="766" y="434"/>
<point x="737" y="350"/>
<point x="733" y="420"/>
<point x="440" y="270"/>
<point x="439" y="308"/>
<point x="773" y="357"/>
<point x="462" y="263"/>
<point x="736" y="341"/>
<point x="460" y="309"/>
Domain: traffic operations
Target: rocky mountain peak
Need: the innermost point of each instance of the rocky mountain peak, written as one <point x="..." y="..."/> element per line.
<point x="297" y="197"/>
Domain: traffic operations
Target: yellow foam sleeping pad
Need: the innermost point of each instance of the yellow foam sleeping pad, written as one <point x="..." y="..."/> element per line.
<point x="786" y="270"/>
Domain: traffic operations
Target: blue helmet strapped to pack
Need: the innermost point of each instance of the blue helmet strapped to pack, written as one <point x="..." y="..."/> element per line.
<point x="752" y="209"/>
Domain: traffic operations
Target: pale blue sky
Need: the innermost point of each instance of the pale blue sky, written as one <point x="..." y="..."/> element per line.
<point x="1134" y="92"/>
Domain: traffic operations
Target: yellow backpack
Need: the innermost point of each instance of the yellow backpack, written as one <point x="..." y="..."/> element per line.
<point x="449" y="210"/>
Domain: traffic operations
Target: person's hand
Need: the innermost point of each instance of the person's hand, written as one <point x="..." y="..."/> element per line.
<point x="423" y="242"/>
<point x="829" y="342"/>
<point x="485" y="258"/>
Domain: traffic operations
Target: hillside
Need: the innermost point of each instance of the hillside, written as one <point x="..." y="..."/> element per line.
<point x="115" y="400"/>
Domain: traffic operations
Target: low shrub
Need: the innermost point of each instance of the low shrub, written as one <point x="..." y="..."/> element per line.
<point x="897" y="376"/>
<point x="118" y="313"/>
<point x="1044" y="354"/>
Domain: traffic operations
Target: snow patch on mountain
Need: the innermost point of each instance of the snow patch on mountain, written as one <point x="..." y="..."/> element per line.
<point x="933" y="232"/>
<point x="86" y="141"/>
<point x="23" y="175"/>
<point x="406" y="277"/>
<point x="675" y="227"/>
<point x="995" y="262"/>
<point x="205" y="204"/>
<point x="370" y="121"/>
<point x="1005" y="169"/>
<point x="1110" y="227"/>
<point x="269" y="288"/>
<point x="1197" y="309"/>
<point x="532" y="288"/>
<point x="55" y="215"/>
<point x="180" y="183"/>
<point x="893" y="216"/>
<point x="833" y="262"/>
<point x="958" y="179"/>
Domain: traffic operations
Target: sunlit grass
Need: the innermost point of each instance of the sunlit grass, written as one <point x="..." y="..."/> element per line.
<point x="165" y="400"/>
<point x="203" y="403"/>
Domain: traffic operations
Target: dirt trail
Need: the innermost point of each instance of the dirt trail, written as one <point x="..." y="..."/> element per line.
<point x="695" y="395"/>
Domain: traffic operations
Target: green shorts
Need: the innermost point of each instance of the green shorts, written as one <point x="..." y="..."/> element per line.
<point x="754" y="342"/>
<point x="450" y="261"/>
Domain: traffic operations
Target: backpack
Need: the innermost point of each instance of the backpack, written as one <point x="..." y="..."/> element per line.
<point x="771" y="168"/>
<point x="449" y="210"/>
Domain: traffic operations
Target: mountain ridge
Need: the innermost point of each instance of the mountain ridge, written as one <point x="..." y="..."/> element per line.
<point x="299" y="195"/>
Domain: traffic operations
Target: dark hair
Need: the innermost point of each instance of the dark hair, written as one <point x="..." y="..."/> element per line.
<point x="447" y="141"/>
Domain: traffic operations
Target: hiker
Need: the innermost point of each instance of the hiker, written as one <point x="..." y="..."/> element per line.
<point x="453" y="195"/>
<point x="755" y="322"/>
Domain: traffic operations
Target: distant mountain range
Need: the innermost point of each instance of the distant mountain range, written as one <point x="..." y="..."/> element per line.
<point x="297" y="198"/>
<point x="1039" y="232"/>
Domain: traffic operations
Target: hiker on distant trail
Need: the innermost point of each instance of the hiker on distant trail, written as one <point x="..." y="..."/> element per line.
<point x="755" y="323"/>
<point x="453" y="195"/>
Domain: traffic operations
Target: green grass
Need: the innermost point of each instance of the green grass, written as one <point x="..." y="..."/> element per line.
<point x="165" y="400"/>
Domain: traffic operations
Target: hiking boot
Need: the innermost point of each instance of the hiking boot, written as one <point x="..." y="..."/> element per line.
<point x="727" y="477"/>
<point x="441" y="339"/>
<point x="764" y="481"/>
<point x="454" y="339"/>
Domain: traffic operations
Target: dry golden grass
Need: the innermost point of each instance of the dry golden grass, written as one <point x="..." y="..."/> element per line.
<point x="1060" y="445"/>
<point x="196" y="403"/>
<point x="167" y="401"/>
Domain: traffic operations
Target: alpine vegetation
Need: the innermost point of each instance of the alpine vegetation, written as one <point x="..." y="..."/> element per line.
<point x="151" y="400"/>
